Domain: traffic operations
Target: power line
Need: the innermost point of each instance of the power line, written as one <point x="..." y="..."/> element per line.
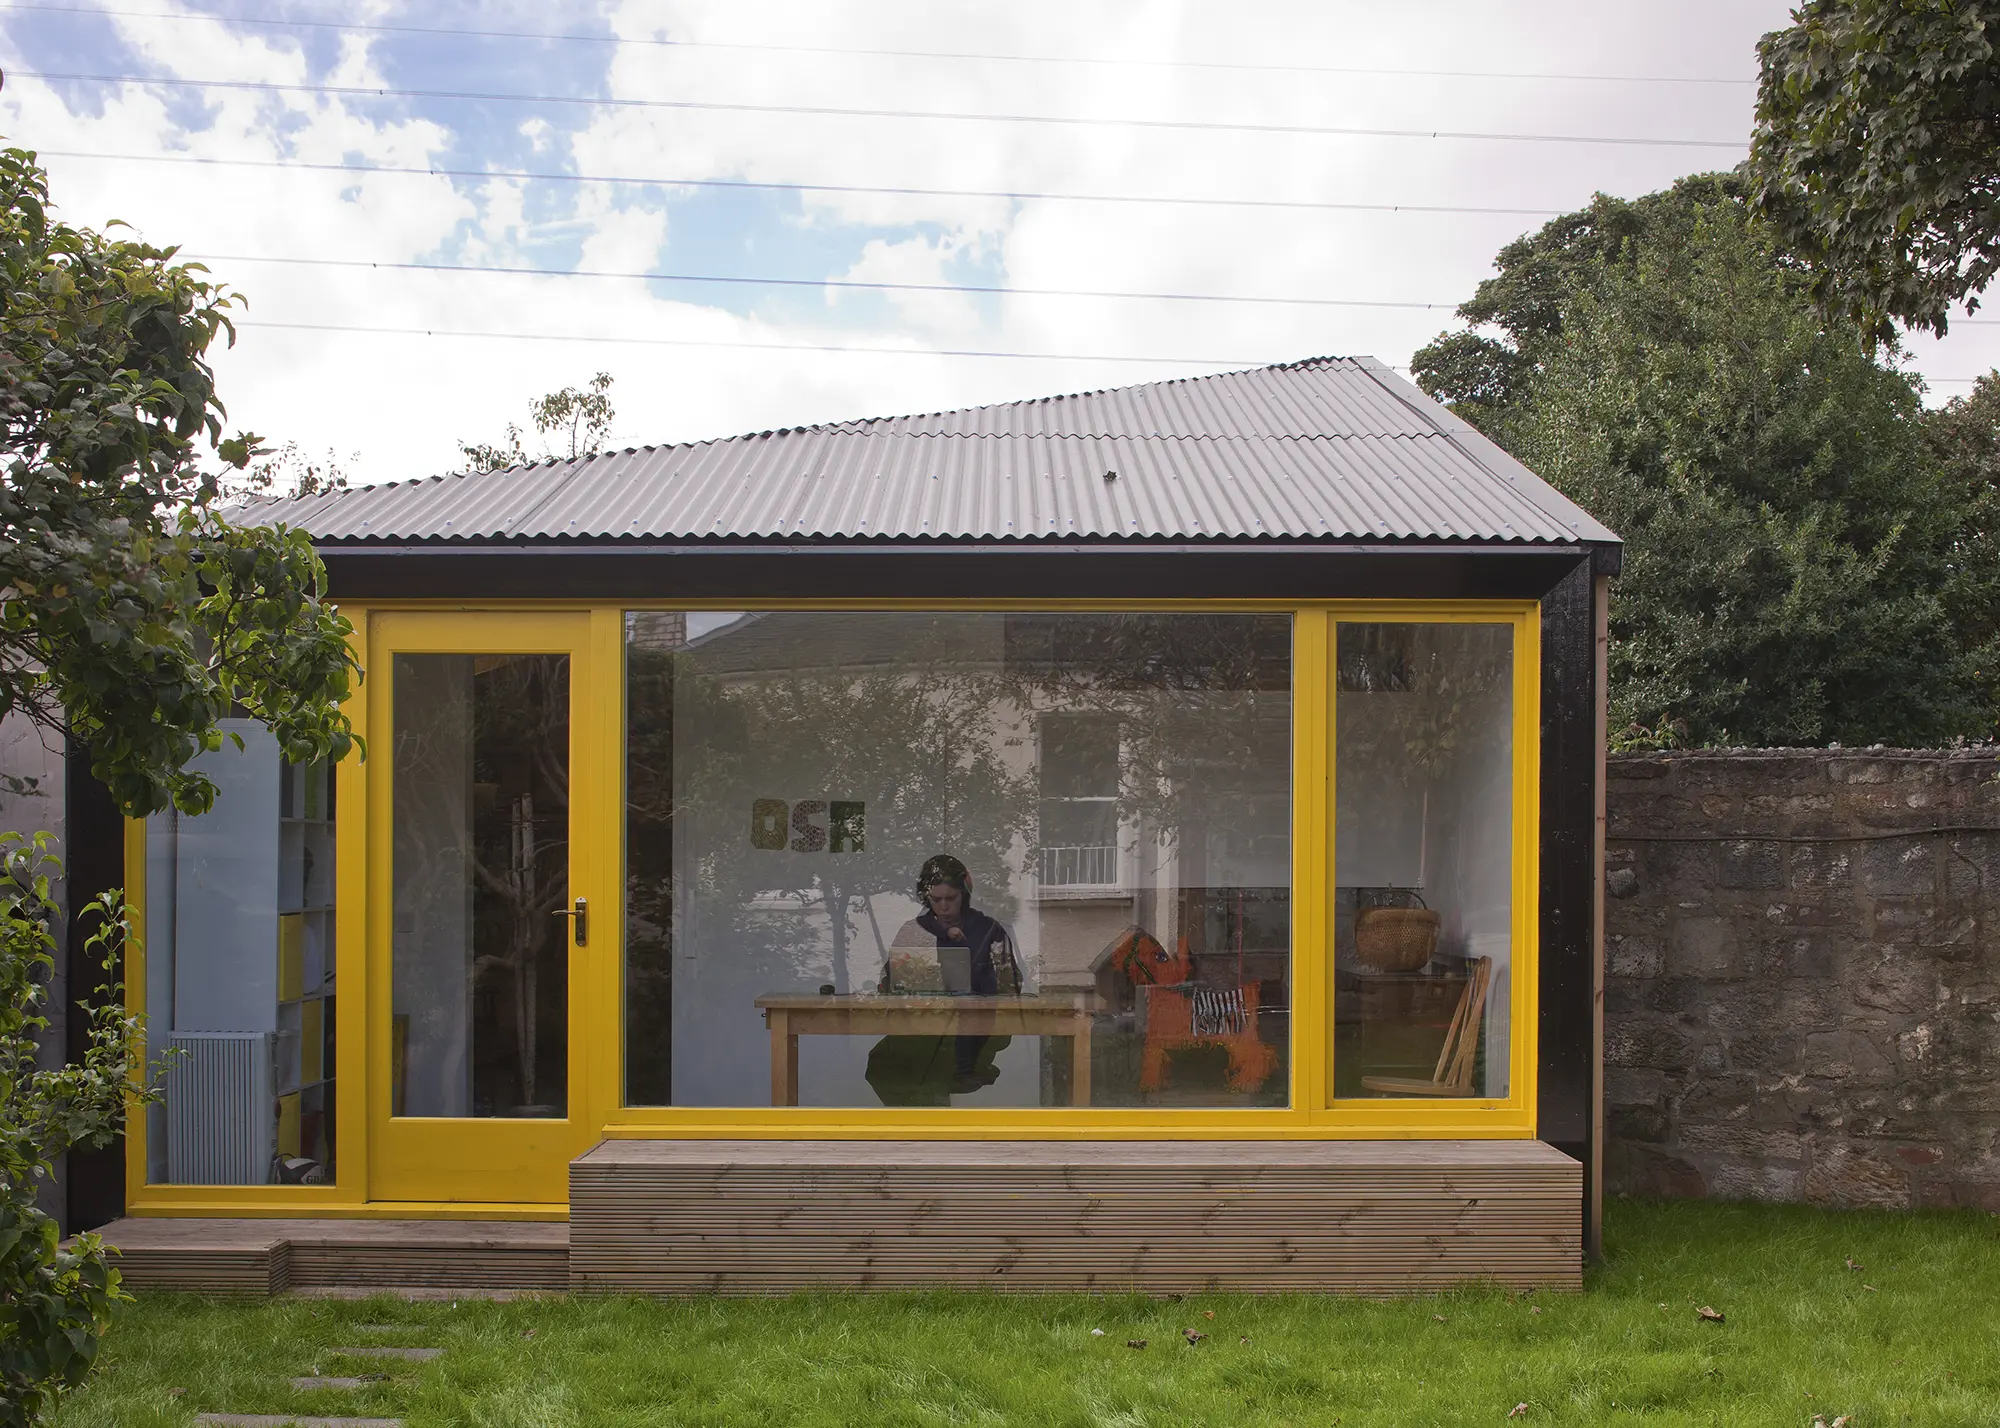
<point x="1014" y="195"/>
<point x="572" y="37"/>
<point x="1219" y="363"/>
<point x="968" y="289"/>
<point x="1216" y="362"/>
<point x="835" y="111"/>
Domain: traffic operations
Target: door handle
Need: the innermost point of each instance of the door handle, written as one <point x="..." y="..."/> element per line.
<point x="582" y="916"/>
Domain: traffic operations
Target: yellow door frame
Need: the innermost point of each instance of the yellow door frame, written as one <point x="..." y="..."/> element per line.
<point x="427" y="1177"/>
<point x="431" y="1159"/>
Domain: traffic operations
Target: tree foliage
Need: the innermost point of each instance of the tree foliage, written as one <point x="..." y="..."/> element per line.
<point x="1799" y="569"/>
<point x="135" y="614"/>
<point x="1877" y="153"/>
<point x="55" y="1299"/>
<point x="580" y="421"/>
<point x="134" y="617"/>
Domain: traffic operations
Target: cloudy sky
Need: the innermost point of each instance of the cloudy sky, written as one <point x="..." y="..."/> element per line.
<point x="951" y="191"/>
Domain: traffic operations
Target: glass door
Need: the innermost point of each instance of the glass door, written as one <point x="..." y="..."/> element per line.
<point x="483" y="921"/>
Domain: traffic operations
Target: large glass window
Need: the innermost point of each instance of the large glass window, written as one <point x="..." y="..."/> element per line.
<point x="479" y="950"/>
<point x="1424" y="858"/>
<point x="240" y="973"/>
<point x="970" y="859"/>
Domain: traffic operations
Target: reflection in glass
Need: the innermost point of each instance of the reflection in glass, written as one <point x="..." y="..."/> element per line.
<point x="481" y="847"/>
<point x="921" y="859"/>
<point x="240" y="973"/>
<point x="1423" y="818"/>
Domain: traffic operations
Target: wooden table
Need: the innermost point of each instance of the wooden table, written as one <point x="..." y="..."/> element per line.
<point x="1043" y="1014"/>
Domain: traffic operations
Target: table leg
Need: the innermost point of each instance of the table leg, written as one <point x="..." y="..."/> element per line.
<point x="1079" y="1062"/>
<point x="784" y="1060"/>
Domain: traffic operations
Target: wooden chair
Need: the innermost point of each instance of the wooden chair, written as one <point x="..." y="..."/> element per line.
<point x="1453" y="1076"/>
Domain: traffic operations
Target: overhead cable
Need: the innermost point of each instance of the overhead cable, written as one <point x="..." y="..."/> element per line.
<point x="352" y="91"/>
<point x="1012" y="195"/>
<point x="572" y="37"/>
<point x="968" y="289"/>
<point x="1216" y="362"/>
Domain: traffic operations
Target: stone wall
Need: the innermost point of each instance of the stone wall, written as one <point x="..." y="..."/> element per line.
<point x="1802" y="995"/>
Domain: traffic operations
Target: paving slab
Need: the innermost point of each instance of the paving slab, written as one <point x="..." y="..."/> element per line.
<point x="328" y="1381"/>
<point x="385" y="1351"/>
<point x="291" y="1420"/>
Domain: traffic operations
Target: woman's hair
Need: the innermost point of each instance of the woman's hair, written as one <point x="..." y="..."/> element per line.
<point x="943" y="868"/>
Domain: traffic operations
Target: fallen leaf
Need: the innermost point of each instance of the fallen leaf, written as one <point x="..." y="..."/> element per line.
<point x="1852" y="1265"/>
<point x="1663" y="1306"/>
<point x="1192" y="1337"/>
<point x="1175" y="1298"/>
<point x="527" y="1333"/>
<point x="1245" y="1341"/>
<point x="1096" y="1333"/>
<point x="1713" y="1316"/>
<point x="1534" y="1308"/>
<point x="1208" y="1313"/>
<point x="1439" y="1317"/>
<point x="1871" y="1289"/>
<point x="1135" y="1343"/>
<point x="1519" y="1410"/>
<point x="176" y="1393"/>
<point x="1842" y="1421"/>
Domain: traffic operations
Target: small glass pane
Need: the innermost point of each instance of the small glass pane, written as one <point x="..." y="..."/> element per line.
<point x="1423" y="854"/>
<point x="239" y="992"/>
<point x="480" y="1013"/>
<point x="965" y="859"/>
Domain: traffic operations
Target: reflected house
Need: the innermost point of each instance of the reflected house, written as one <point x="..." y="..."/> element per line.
<point x="1248" y="726"/>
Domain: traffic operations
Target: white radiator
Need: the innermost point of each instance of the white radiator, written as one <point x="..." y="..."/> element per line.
<point x="221" y="1114"/>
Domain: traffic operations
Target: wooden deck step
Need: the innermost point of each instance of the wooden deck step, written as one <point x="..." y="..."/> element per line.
<point x="1386" y="1217"/>
<point x="260" y="1257"/>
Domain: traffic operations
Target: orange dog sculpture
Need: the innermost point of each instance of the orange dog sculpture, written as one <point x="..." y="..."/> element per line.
<point x="1188" y="1015"/>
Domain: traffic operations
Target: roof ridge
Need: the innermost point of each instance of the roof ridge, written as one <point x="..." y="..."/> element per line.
<point x="854" y="423"/>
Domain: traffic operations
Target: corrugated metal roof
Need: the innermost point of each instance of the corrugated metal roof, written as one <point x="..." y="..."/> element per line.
<point x="1332" y="448"/>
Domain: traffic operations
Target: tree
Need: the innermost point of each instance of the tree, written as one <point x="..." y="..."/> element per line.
<point x="1963" y="437"/>
<point x="292" y="471"/>
<point x="55" y="1301"/>
<point x="581" y="418"/>
<point x="1797" y="566"/>
<point x="134" y="616"/>
<point x="1877" y="153"/>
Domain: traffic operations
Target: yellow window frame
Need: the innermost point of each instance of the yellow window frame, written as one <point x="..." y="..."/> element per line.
<point x="1312" y="1112"/>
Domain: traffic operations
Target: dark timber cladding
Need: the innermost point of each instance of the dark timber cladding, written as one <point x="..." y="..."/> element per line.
<point x="773" y="1217"/>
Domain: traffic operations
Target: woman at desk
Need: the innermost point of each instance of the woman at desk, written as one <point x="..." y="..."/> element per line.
<point x="952" y="948"/>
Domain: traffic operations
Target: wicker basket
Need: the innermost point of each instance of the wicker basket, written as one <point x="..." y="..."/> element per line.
<point x="1395" y="939"/>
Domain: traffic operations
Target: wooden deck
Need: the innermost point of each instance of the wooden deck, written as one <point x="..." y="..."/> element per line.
<point x="675" y="1217"/>
<point x="770" y="1217"/>
<point x="259" y="1257"/>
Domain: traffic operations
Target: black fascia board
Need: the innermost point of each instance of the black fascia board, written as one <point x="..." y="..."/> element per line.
<point x="989" y="570"/>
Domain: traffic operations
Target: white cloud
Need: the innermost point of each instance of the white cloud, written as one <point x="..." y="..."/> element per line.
<point x="404" y="401"/>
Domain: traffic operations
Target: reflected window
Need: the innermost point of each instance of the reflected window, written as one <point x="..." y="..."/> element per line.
<point x="240" y="993"/>
<point x="479" y="954"/>
<point x="1424" y="818"/>
<point x="967" y="859"/>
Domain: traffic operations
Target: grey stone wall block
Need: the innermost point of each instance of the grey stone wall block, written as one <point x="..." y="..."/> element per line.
<point x="1820" y="865"/>
<point x="1810" y="1020"/>
<point x="1900" y="867"/>
<point x="1844" y="1056"/>
<point x="1703" y="947"/>
<point x="1751" y="863"/>
<point x="1849" y="1177"/>
<point x="1629" y="959"/>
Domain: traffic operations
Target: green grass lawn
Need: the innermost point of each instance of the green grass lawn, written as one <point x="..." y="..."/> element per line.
<point x="1912" y="1337"/>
